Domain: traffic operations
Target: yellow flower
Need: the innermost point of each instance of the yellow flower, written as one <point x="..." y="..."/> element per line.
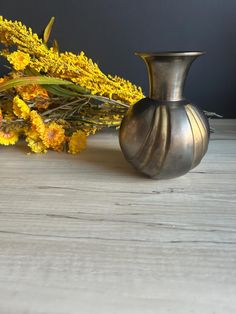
<point x="54" y="136"/>
<point x="77" y="142"/>
<point x="19" y="60"/>
<point x="34" y="142"/>
<point x="37" y="123"/>
<point x="8" y="137"/>
<point x="29" y="92"/>
<point x="20" y="108"/>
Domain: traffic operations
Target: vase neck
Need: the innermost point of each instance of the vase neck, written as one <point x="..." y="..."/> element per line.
<point x="167" y="73"/>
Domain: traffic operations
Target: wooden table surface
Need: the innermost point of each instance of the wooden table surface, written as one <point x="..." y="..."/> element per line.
<point x="87" y="234"/>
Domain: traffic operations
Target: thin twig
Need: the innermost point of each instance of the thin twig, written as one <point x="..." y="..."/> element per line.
<point x="60" y="107"/>
<point x="108" y="100"/>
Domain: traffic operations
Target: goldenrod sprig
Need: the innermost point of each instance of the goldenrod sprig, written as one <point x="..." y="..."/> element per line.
<point x="53" y="99"/>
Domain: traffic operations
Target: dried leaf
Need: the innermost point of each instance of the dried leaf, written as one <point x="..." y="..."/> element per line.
<point x="60" y="91"/>
<point x="55" y="46"/>
<point x="47" y="31"/>
<point x="41" y="80"/>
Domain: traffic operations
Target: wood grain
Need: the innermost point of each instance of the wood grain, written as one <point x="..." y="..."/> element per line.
<point x="87" y="234"/>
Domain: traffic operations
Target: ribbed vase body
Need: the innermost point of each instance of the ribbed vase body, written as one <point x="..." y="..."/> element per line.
<point x="164" y="136"/>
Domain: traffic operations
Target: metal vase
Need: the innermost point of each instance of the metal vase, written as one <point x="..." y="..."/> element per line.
<point x="164" y="136"/>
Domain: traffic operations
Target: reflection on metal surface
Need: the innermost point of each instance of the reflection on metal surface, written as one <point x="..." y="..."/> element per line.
<point x="165" y="136"/>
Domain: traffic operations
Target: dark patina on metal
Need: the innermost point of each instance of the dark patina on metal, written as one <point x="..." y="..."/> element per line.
<point x="164" y="135"/>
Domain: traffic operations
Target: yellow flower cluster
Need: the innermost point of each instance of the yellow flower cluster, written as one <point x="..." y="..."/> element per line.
<point x="32" y="91"/>
<point x="78" y="142"/>
<point x="34" y="141"/>
<point x="20" y="108"/>
<point x="27" y="109"/>
<point x="19" y="60"/>
<point x="77" y="68"/>
<point x="47" y="136"/>
<point x="15" y="33"/>
<point x="41" y="136"/>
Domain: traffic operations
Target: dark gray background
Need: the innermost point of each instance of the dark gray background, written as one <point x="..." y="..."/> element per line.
<point x="110" y="31"/>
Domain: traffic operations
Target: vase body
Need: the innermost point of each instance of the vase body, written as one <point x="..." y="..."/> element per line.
<point x="164" y="135"/>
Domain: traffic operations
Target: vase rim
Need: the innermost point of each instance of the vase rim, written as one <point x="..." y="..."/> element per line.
<point x="169" y="53"/>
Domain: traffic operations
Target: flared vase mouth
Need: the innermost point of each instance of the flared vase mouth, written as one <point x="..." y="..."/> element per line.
<point x="169" y="53"/>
